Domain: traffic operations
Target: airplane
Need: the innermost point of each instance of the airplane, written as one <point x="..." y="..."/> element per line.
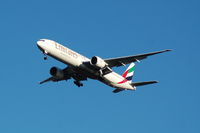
<point x="80" y="68"/>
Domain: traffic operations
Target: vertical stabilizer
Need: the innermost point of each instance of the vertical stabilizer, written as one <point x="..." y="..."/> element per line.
<point x="128" y="74"/>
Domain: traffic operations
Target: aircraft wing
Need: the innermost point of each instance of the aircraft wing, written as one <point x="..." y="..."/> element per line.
<point x="69" y="72"/>
<point x="46" y="80"/>
<point x="116" y="62"/>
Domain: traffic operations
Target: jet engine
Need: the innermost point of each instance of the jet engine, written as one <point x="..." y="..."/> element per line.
<point x="98" y="62"/>
<point x="57" y="73"/>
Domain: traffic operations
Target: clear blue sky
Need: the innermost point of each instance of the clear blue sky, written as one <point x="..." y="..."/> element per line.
<point x="106" y="28"/>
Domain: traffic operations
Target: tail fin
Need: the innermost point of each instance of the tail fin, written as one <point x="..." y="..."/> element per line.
<point x="128" y="74"/>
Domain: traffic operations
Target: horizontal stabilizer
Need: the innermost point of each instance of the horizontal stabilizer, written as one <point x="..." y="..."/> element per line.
<point x="143" y="83"/>
<point x="117" y="90"/>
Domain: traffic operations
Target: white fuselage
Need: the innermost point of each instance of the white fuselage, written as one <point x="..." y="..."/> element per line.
<point x="74" y="59"/>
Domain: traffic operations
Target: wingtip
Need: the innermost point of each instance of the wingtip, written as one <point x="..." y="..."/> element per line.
<point x="40" y="82"/>
<point x="168" y="50"/>
<point x="156" y="81"/>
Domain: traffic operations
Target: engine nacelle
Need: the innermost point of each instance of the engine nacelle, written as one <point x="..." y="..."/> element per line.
<point x="57" y="73"/>
<point x="98" y="62"/>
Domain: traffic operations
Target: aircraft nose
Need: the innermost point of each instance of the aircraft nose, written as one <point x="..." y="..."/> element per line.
<point x="40" y="42"/>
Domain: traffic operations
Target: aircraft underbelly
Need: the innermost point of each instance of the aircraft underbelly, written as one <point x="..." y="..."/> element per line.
<point x="111" y="79"/>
